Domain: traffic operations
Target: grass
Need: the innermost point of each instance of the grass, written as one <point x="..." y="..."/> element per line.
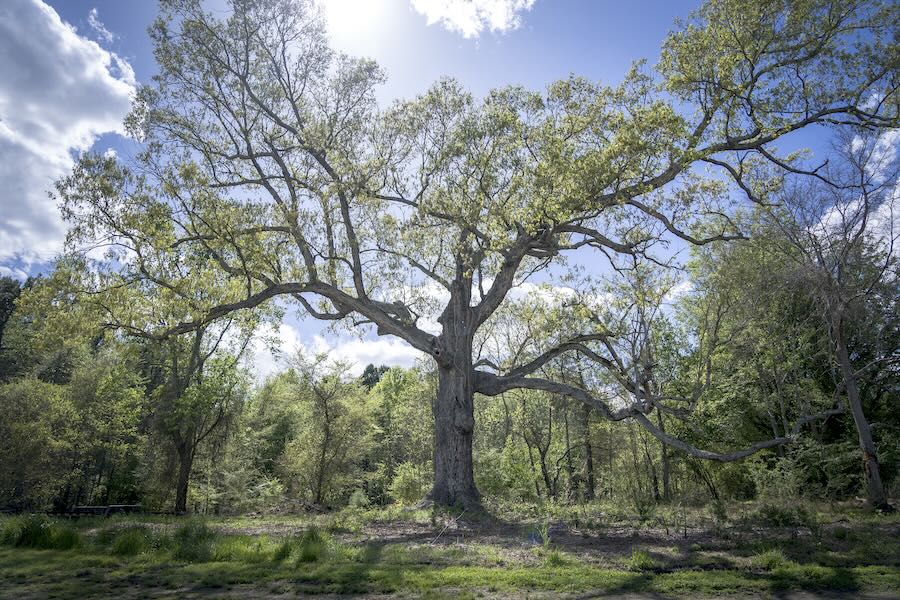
<point x="394" y="552"/>
<point x="640" y="560"/>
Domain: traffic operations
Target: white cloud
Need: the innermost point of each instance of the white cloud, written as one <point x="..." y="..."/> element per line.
<point x="359" y="353"/>
<point x="99" y="28"/>
<point x="471" y="17"/>
<point x="59" y="91"/>
<point x="272" y="348"/>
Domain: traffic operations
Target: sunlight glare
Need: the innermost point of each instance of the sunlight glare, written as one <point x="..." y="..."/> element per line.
<point x="353" y="24"/>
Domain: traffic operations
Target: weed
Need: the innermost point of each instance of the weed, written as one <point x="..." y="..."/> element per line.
<point x="313" y="546"/>
<point x="640" y="560"/>
<point x="770" y="559"/>
<point x="543" y="530"/>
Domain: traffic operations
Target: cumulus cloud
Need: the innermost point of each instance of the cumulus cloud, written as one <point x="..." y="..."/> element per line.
<point x="59" y="91"/>
<point x="471" y="17"/>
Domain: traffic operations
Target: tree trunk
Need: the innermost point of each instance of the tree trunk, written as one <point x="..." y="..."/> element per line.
<point x="874" y="485"/>
<point x="454" y="407"/>
<point x="185" y="463"/>
<point x="664" y="455"/>
<point x="454" y="421"/>
<point x="588" y="455"/>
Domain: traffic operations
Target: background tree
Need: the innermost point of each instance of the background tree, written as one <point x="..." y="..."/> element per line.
<point x="323" y="461"/>
<point x="842" y="230"/>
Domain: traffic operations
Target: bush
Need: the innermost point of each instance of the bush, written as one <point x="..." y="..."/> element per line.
<point x="787" y="516"/>
<point x="358" y="499"/>
<point x="410" y="483"/>
<point x="193" y="542"/>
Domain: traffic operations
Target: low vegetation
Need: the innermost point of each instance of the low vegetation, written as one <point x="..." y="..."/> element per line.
<point x="432" y="553"/>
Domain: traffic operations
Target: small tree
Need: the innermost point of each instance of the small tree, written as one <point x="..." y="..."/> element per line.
<point x="333" y="434"/>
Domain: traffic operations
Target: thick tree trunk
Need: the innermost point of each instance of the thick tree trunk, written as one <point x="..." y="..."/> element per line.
<point x="454" y="407"/>
<point x="874" y="485"/>
<point x="454" y="422"/>
<point x="185" y="463"/>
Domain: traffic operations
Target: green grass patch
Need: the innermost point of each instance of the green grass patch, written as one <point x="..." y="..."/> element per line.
<point x="640" y="560"/>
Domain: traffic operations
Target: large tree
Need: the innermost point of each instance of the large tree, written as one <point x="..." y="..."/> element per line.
<point x="267" y="156"/>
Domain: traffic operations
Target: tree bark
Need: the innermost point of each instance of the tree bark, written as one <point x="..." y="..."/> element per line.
<point x="664" y="455"/>
<point x="588" y="455"/>
<point x="874" y="485"/>
<point x="454" y="407"/>
<point x="454" y="422"/>
<point x="185" y="463"/>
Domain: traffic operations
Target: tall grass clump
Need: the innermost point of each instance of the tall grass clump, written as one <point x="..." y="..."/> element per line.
<point x="640" y="560"/>
<point x="771" y="559"/>
<point x="313" y="546"/>
<point x="132" y="541"/>
<point x="193" y="542"/>
<point x="243" y="548"/>
<point x="37" y="531"/>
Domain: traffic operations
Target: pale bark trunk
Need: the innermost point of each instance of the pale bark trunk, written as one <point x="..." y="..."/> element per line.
<point x="874" y="485"/>
<point x="664" y="455"/>
<point x="588" y="456"/>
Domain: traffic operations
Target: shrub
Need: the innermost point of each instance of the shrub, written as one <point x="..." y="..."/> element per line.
<point x="410" y="483"/>
<point x="644" y="505"/>
<point x="770" y="559"/>
<point x="777" y="516"/>
<point x="358" y="499"/>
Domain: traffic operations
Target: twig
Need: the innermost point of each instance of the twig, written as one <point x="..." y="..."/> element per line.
<point x="446" y="526"/>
